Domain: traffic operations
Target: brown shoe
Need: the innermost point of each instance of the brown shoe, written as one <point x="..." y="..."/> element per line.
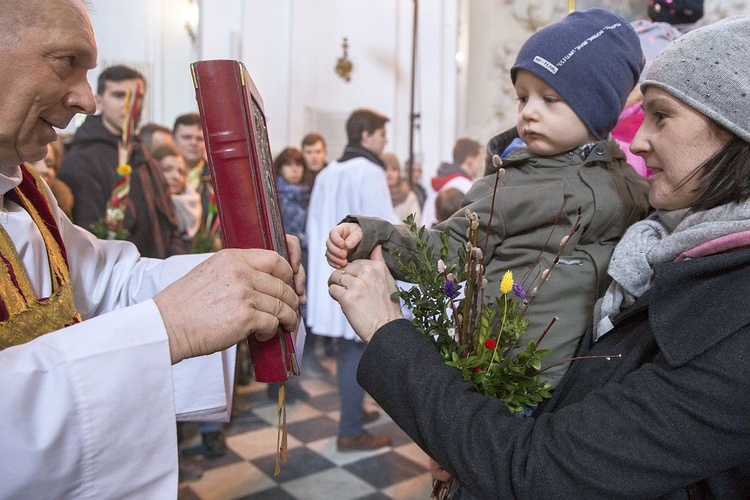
<point x="362" y="441"/>
<point x="369" y="417"/>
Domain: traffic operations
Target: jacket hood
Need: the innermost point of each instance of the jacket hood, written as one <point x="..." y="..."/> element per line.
<point x="93" y="131"/>
<point x="446" y="168"/>
<point x="439" y="182"/>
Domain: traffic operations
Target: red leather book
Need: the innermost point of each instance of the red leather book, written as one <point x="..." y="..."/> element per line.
<point x="239" y="159"/>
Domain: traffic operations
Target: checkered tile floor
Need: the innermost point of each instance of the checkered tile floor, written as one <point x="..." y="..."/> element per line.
<point x="315" y="469"/>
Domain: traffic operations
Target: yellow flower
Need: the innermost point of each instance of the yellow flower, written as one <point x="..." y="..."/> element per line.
<point x="506" y="285"/>
<point x="124" y="170"/>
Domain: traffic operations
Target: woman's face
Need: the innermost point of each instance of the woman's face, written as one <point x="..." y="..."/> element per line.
<point x="175" y="172"/>
<point x="293" y="172"/>
<point x="392" y="174"/>
<point x="674" y="140"/>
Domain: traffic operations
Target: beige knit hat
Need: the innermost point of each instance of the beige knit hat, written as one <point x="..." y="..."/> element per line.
<point x="709" y="70"/>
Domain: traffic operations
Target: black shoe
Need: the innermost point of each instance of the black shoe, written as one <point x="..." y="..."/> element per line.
<point x="189" y="472"/>
<point x="214" y="444"/>
<point x="362" y="441"/>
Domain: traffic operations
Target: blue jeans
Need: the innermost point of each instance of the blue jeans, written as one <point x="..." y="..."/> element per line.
<point x="352" y="396"/>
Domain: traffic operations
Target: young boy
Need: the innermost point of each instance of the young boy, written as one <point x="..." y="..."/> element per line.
<point x="572" y="79"/>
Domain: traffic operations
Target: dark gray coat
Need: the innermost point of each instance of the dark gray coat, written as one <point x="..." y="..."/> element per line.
<point x="671" y="418"/>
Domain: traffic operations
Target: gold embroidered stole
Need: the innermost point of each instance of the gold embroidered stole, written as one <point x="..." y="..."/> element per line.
<point x="27" y="317"/>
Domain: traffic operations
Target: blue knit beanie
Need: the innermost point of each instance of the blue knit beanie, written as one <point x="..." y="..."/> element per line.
<point x="592" y="59"/>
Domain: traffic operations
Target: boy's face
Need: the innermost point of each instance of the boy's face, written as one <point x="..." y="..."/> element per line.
<point x="112" y="102"/>
<point x="374" y="142"/>
<point x="546" y="123"/>
<point x="188" y="140"/>
<point x="315" y="156"/>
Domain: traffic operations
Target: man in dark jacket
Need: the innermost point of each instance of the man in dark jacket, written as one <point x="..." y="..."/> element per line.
<point x="90" y="169"/>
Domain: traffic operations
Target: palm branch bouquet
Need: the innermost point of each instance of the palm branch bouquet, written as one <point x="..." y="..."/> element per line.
<point x="479" y="338"/>
<point x="111" y="226"/>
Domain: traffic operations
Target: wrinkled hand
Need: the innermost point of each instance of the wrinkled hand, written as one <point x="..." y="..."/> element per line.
<point x="232" y="294"/>
<point x="295" y="260"/>
<point x="438" y="472"/>
<point x="341" y="239"/>
<point x="363" y="289"/>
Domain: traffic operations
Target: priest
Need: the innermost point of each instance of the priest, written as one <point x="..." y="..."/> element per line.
<point x="91" y="334"/>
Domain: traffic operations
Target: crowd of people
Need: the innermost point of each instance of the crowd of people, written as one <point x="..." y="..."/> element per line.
<point x="651" y="271"/>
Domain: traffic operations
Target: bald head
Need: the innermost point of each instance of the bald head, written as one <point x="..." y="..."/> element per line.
<point x="48" y="47"/>
<point x="17" y="15"/>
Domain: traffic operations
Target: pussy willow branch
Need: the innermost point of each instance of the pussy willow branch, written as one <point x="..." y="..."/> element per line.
<point x="546" y="330"/>
<point x="570" y="360"/>
<point x="545" y="277"/>
<point x="497" y="162"/>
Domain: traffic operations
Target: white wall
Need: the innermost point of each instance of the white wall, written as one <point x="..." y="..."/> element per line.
<point x="150" y="36"/>
<point x="290" y="48"/>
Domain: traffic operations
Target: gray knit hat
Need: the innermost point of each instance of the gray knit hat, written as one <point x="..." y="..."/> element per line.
<point x="708" y="69"/>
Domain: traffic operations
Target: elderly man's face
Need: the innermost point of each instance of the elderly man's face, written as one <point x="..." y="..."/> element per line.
<point x="43" y="78"/>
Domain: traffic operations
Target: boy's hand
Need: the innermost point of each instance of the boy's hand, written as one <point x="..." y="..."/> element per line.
<point x="341" y="239"/>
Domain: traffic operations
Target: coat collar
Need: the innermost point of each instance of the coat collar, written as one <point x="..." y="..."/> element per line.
<point x="697" y="303"/>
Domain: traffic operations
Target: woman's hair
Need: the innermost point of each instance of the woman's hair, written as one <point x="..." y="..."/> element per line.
<point x="287" y="157"/>
<point x="724" y="177"/>
<point x="391" y="161"/>
<point x="163" y="151"/>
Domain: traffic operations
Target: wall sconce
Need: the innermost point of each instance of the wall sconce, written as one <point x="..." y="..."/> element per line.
<point x="192" y="18"/>
<point x="343" y="65"/>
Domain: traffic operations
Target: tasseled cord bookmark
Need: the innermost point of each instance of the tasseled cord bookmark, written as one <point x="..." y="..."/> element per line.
<point x="281" y="436"/>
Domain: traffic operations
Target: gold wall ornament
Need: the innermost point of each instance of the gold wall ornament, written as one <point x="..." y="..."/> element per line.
<point x="343" y="65"/>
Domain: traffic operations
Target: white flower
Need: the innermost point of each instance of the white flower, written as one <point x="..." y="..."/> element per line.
<point x="441" y="266"/>
<point x="452" y="334"/>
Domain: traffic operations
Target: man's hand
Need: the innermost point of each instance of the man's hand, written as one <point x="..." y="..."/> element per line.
<point x="363" y="289"/>
<point x="232" y="294"/>
<point x="341" y="239"/>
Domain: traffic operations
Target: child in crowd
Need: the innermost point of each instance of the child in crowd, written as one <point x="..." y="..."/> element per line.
<point x="186" y="200"/>
<point x="294" y="194"/>
<point x="572" y="79"/>
<point x="447" y="203"/>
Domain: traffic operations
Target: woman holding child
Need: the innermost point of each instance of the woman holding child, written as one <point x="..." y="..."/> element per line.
<point x="667" y="414"/>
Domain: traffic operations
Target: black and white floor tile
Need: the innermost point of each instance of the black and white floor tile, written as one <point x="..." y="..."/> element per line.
<point x="315" y="469"/>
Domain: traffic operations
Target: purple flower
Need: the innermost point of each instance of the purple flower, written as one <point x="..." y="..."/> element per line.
<point x="519" y="291"/>
<point x="449" y="289"/>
